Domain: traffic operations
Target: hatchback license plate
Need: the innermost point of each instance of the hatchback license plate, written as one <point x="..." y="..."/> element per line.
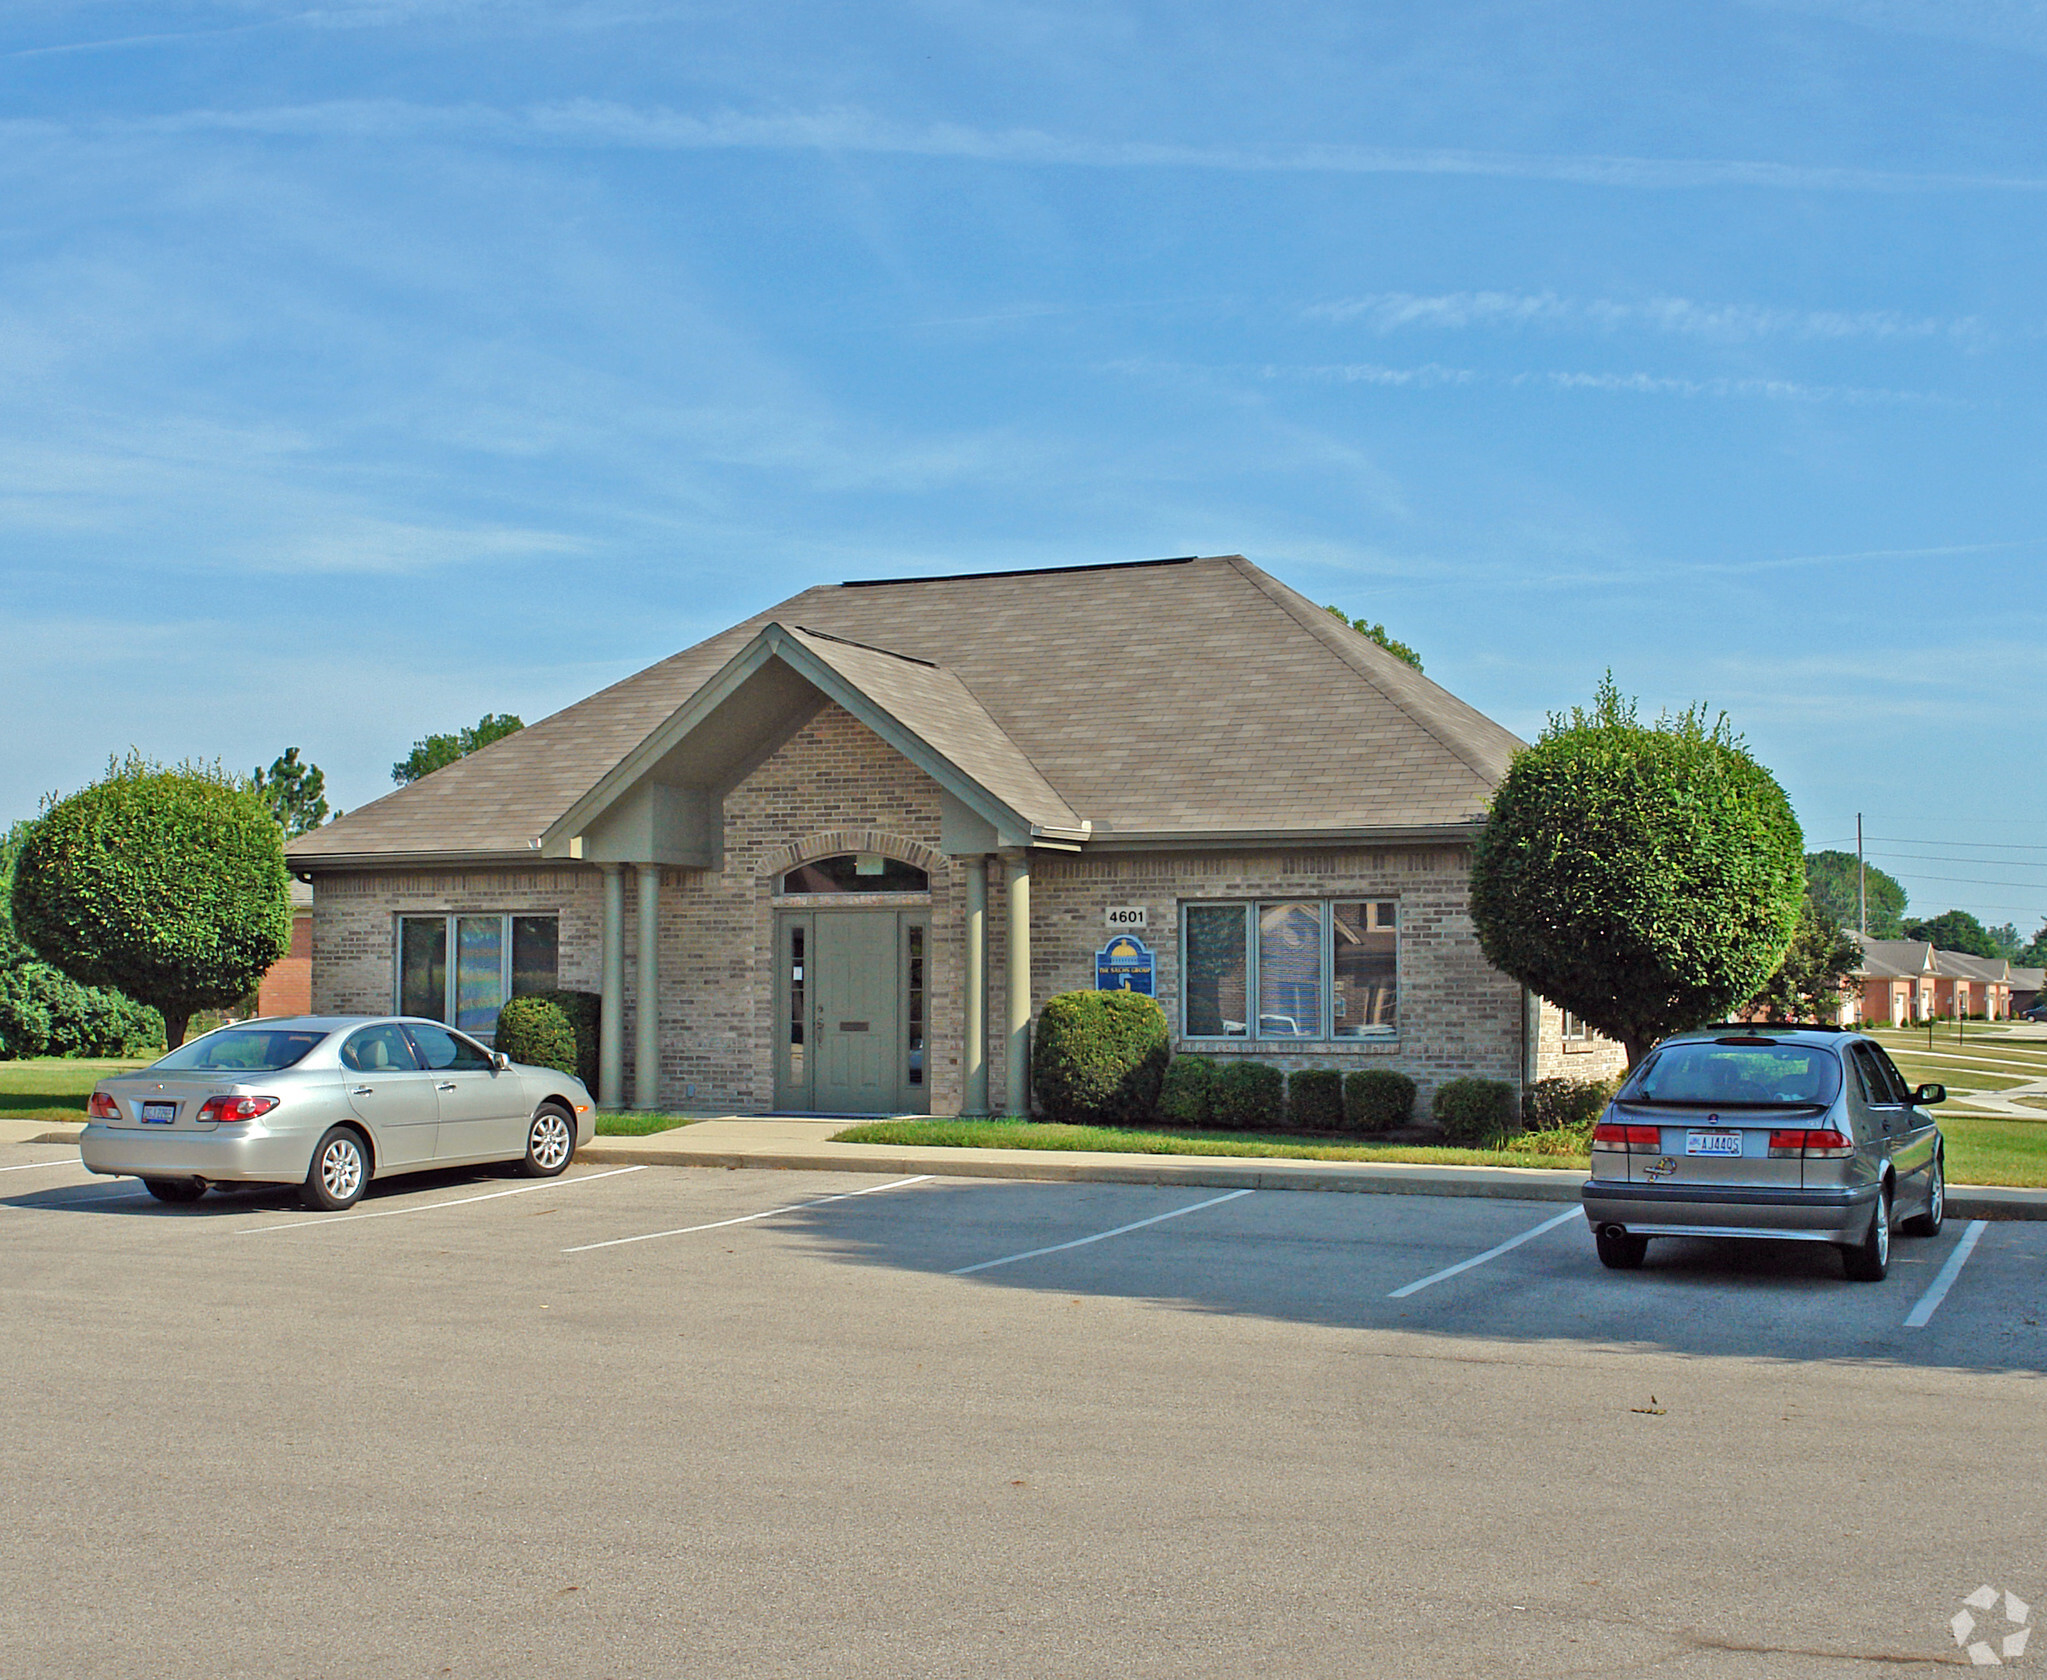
<point x="159" y="1114"/>
<point x="1713" y="1143"/>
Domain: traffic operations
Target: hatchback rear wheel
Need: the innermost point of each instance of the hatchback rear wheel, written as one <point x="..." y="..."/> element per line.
<point x="1928" y="1224"/>
<point x="340" y="1172"/>
<point x="1868" y="1260"/>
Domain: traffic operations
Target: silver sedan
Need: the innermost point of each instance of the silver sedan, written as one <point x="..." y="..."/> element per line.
<point x="330" y="1102"/>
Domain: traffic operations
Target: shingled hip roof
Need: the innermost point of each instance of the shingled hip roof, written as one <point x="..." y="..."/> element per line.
<point x="1197" y="700"/>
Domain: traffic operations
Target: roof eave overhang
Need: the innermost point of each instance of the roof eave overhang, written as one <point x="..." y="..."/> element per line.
<point x="333" y="863"/>
<point x="774" y="642"/>
<point x="1239" y="839"/>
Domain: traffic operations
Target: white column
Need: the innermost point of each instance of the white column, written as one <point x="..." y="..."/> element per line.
<point x="611" y="1027"/>
<point x="974" y="1067"/>
<point x="647" y="1024"/>
<point x="1019" y="988"/>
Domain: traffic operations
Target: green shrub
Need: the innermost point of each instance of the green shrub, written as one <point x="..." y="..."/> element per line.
<point x="1248" y="1097"/>
<point x="44" y="1012"/>
<point x="584" y="1012"/>
<point x="1314" y="1100"/>
<point x="1183" y="1098"/>
<point x="1559" y="1104"/>
<point x="1474" y="1112"/>
<point x="1377" y="1100"/>
<point x="1099" y="1058"/>
<point x="536" y="1031"/>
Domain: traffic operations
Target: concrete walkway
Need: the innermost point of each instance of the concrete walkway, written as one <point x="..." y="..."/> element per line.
<point x="795" y="1145"/>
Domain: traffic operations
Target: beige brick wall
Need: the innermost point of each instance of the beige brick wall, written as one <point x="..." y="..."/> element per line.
<point x="1556" y="1058"/>
<point x="1458" y="1015"/>
<point x="354" y="923"/>
<point x="836" y="787"/>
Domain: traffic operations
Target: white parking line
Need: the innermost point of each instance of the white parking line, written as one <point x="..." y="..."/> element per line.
<point x="30" y="1166"/>
<point x="1921" y="1315"/>
<point x="434" y="1207"/>
<point x="1408" y="1289"/>
<point x="748" y="1218"/>
<point x="1099" y="1236"/>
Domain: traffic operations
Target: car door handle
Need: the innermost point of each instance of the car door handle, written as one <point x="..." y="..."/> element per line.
<point x="445" y="1085"/>
<point x="362" y="1090"/>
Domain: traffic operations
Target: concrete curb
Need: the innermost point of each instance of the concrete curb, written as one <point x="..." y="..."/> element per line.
<point x="1376" y="1178"/>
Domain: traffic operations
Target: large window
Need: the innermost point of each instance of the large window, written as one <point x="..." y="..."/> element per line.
<point x="1318" y="968"/>
<point x="461" y="969"/>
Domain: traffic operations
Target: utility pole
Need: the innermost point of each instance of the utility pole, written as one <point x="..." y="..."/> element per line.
<point x="1861" y="883"/>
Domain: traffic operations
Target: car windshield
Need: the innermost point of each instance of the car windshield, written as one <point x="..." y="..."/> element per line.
<point x="243" y="1049"/>
<point x="1736" y="1074"/>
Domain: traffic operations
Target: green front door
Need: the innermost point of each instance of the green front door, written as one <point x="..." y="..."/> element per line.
<point x="850" y="1000"/>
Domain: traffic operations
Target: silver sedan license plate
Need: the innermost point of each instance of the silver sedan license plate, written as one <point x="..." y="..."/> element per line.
<point x="1712" y="1143"/>
<point x="159" y="1114"/>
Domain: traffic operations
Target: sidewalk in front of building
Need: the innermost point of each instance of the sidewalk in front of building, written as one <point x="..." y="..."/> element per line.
<point x="803" y="1145"/>
<point x="790" y="1144"/>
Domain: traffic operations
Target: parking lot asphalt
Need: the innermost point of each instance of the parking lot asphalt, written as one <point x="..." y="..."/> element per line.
<point x="653" y="1420"/>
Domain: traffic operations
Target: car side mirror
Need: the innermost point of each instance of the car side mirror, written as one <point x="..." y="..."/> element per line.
<point x="1927" y="1095"/>
<point x="500" y="1061"/>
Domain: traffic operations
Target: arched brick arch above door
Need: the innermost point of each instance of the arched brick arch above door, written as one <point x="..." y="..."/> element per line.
<point x="833" y="842"/>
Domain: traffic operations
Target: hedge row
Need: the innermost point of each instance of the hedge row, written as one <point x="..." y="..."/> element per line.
<point x="1105" y="1058"/>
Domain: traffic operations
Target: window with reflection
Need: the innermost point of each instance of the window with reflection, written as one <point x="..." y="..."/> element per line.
<point x="1317" y="968"/>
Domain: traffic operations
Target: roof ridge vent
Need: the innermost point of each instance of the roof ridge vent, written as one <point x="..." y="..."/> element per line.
<point x="1026" y="571"/>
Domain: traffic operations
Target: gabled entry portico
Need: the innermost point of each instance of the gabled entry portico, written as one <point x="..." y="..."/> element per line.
<point x="853" y="993"/>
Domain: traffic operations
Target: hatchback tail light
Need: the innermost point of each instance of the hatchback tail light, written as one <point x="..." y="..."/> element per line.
<point x="235" y="1108"/>
<point x="1824" y="1145"/>
<point x="102" y="1107"/>
<point x="1611" y="1135"/>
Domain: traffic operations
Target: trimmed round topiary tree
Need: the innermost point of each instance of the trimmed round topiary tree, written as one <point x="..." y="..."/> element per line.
<point x="1099" y="1058"/>
<point x="536" y="1031"/>
<point x="166" y="884"/>
<point x="1646" y="878"/>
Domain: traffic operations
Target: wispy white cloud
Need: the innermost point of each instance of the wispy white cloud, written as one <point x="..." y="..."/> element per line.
<point x="1726" y="323"/>
<point x="1431" y="375"/>
<point x="852" y="130"/>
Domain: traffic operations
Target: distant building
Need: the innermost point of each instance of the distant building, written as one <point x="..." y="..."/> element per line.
<point x="1901" y="981"/>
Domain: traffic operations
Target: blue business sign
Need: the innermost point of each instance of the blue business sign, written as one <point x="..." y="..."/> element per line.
<point x="1124" y="965"/>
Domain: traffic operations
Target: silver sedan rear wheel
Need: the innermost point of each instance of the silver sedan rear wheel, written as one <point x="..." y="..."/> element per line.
<point x="340" y="1171"/>
<point x="550" y="1142"/>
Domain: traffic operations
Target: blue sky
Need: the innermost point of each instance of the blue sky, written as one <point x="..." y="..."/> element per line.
<point x="368" y="366"/>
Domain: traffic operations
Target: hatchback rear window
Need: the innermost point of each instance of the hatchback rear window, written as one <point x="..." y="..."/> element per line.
<point x="1736" y="1075"/>
<point x="242" y="1049"/>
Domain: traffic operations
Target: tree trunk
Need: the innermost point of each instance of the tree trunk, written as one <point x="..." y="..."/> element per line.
<point x="174" y="1023"/>
<point x="1636" y="1048"/>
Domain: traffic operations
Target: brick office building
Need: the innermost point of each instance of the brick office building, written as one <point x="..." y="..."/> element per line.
<point x="830" y="859"/>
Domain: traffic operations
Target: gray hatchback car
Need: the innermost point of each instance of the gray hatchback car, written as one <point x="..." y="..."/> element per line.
<point x="328" y="1103"/>
<point x="1736" y="1130"/>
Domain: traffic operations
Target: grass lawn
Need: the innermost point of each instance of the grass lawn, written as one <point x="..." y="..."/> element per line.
<point x="53" y="1087"/>
<point x="1033" y="1134"/>
<point x="634" y="1124"/>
